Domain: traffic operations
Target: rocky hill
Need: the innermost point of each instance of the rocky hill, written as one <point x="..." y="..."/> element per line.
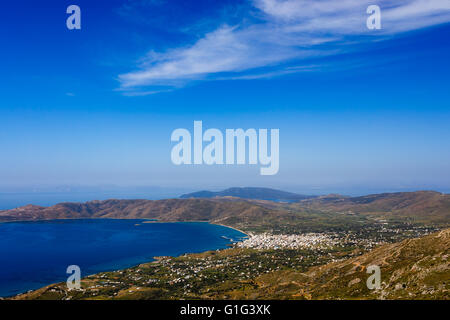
<point x="420" y="206"/>
<point x="412" y="269"/>
<point x="162" y="210"/>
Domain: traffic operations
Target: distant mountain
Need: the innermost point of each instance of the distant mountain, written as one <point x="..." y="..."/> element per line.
<point x="426" y="206"/>
<point x="249" y="193"/>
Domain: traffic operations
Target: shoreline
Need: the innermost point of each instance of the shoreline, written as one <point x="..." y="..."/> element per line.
<point x="195" y="221"/>
<point x="223" y="225"/>
<point x="155" y="259"/>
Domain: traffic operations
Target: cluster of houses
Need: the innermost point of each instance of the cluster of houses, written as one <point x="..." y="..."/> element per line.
<point x="292" y="241"/>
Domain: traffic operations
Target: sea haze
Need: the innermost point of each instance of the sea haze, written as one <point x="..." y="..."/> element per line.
<point x="35" y="254"/>
<point x="18" y="199"/>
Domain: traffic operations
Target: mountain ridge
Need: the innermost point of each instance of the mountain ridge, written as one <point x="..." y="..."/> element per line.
<point x="167" y="210"/>
<point x="429" y="205"/>
<point x="420" y="206"/>
<point x="248" y="193"/>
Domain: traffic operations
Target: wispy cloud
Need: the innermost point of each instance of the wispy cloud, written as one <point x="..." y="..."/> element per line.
<point x="284" y="31"/>
<point x="141" y="93"/>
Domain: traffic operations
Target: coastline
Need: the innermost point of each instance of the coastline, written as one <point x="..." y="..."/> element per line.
<point x="223" y="225"/>
<point x="197" y="221"/>
<point x="154" y="259"/>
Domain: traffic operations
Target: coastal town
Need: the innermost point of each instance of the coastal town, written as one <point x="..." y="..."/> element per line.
<point x="375" y="234"/>
<point x="305" y="241"/>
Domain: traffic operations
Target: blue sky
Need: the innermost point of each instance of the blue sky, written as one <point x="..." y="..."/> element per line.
<point x="358" y="110"/>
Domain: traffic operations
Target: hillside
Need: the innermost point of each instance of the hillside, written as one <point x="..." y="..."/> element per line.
<point x="416" y="207"/>
<point x="420" y="206"/>
<point x="162" y="210"/>
<point x="248" y="193"/>
<point x="412" y="269"/>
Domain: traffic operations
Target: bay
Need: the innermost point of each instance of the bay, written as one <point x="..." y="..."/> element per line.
<point x="36" y="254"/>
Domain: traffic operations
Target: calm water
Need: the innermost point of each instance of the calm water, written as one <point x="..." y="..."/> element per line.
<point x="35" y="254"/>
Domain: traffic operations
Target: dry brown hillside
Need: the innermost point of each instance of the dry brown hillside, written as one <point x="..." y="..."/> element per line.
<point x="412" y="269"/>
<point x="422" y="206"/>
<point x="163" y="210"/>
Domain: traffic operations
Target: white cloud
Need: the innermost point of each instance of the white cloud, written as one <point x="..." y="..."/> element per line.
<point x="286" y="30"/>
<point x="137" y="93"/>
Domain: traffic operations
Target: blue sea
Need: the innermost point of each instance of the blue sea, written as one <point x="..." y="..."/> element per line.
<point x="11" y="200"/>
<point x="35" y="254"/>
